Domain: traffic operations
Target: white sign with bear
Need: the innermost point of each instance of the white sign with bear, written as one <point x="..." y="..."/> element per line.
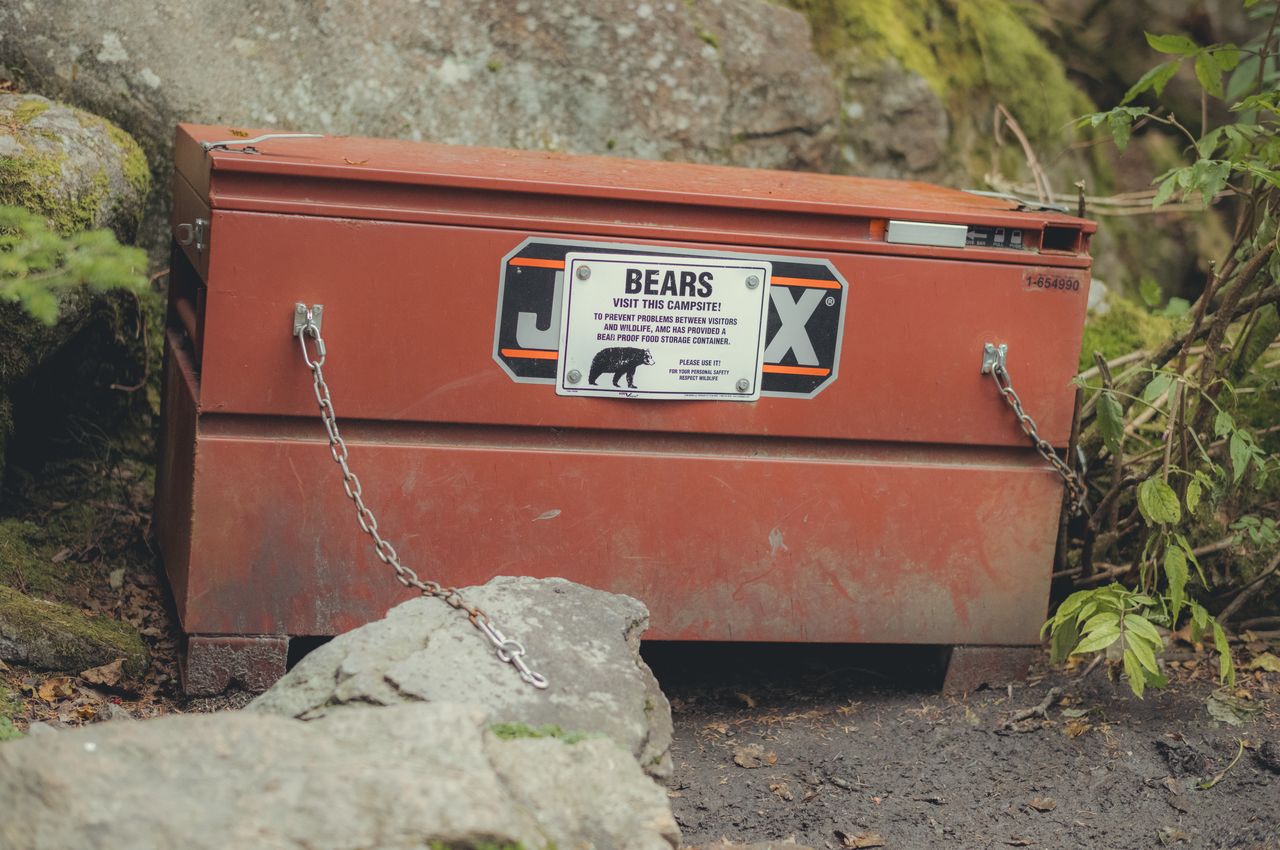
<point x="663" y="327"/>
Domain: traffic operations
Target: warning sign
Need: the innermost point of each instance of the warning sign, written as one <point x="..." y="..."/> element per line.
<point x="636" y="326"/>
<point x="804" y="307"/>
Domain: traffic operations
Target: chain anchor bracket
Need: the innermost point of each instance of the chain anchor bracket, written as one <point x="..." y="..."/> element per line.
<point x="306" y="326"/>
<point x="994" y="363"/>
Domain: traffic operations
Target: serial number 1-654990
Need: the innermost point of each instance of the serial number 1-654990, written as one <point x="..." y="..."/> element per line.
<point x="1049" y="281"/>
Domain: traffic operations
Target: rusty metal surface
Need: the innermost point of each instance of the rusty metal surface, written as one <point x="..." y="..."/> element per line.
<point x="388" y="180"/>
<point x="409" y="312"/>
<point x="837" y="546"/>
<point x="901" y="504"/>
<point x="214" y="663"/>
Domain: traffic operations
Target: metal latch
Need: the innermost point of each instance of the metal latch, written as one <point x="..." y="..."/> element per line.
<point x="196" y="234"/>
<point x="247" y="145"/>
<point x="993" y="357"/>
<point x="304" y="316"/>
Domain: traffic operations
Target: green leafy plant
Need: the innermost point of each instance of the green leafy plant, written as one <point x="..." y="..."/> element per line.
<point x="37" y="264"/>
<point x="1173" y="454"/>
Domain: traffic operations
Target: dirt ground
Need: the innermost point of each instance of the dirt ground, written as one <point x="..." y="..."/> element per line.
<point x="855" y="747"/>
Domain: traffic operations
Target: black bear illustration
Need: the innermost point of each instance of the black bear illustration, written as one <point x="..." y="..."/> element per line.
<point x="620" y="361"/>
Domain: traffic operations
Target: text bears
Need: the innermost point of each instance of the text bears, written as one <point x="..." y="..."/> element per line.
<point x="686" y="284"/>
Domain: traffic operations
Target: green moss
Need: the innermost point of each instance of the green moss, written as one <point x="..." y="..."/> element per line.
<point x="27" y="110"/>
<point x="1124" y="328"/>
<point x="513" y="731"/>
<point x="9" y="707"/>
<point x="971" y="53"/>
<point x="34" y="180"/>
<point x="709" y="37"/>
<point x="69" y="639"/>
<point x="136" y="171"/>
<point x="26" y="564"/>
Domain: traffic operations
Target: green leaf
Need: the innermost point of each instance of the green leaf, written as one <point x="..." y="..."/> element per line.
<point x="1266" y="661"/>
<point x="1175" y="44"/>
<point x="1098" y="621"/>
<point x="1158" y="503"/>
<point x="1193" y="495"/>
<point x="1150" y="291"/>
<point x="1065" y="638"/>
<point x="1143" y="652"/>
<point x="1159" y="386"/>
<point x="1139" y="626"/>
<point x="1121" y="129"/>
<point x="1240" y="455"/>
<point x="1176" y="308"/>
<point x="1243" y="78"/>
<point x="1226" y="669"/>
<point x="1175" y="570"/>
<point x="1165" y="192"/>
<point x="1111" y="421"/>
<point x="1199" y="621"/>
<point x="1156" y="78"/>
<point x="1226" y="56"/>
<point x="1223" y="424"/>
<point x="1100" y="639"/>
<point x="1133" y="671"/>
<point x="1209" y="75"/>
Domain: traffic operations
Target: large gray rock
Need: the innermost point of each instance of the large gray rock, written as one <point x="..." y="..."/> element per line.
<point x="414" y="776"/>
<point x="77" y="170"/>
<point x="585" y="641"/>
<point x="732" y="81"/>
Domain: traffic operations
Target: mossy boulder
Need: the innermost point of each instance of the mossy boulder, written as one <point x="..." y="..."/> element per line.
<point x="52" y="636"/>
<point x="940" y="67"/>
<point x="79" y="171"/>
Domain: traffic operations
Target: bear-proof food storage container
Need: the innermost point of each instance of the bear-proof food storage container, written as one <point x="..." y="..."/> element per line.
<point x="754" y="400"/>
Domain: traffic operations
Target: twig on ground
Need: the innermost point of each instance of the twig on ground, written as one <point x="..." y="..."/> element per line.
<point x="1041" y="710"/>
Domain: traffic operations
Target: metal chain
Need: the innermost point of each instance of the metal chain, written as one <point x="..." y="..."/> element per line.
<point x="1077" y="492"/>
<point x="508" y="650"/>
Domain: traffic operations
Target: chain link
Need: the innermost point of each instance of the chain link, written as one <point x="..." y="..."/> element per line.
<point x="1077" y="492"/>
<point x="508" y="651"/>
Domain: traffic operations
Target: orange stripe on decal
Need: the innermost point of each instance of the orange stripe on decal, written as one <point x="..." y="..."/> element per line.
<point x="804" y="281"/>
<point x="531" y="353"/>
<point x="796" y="370"/>
<point x="534" y="261"/>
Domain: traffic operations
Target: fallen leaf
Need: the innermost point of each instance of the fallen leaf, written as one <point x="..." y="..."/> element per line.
<point x="781" y="791"/>
<point x="862" y="839"/>
<point x="1017" y="841"/>
<point x="752" y="756"/>
<point x="747" y="699"/>
<point x="116" y="578"/>
<point x="1076" y="727"/>
<point x="1043" y="804"/>
<point x="61" y="556"/>
<point x="57" y="688"/>
<point x="239" y="134"/>
<point x="354" y="161"/>
<point x="107" y="674"/>
<point x="1170" y="834"/>
<point x="1229" y="709"/>
<point x="1075" y="712"/>
<point x="1266" y="661"/>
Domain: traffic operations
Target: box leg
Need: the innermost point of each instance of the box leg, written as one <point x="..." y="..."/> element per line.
<point x="214" y="663"/>
<point x="972" y="666"/>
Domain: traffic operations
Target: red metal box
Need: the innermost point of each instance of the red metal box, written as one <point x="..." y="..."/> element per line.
<point x="877" y="489"/>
